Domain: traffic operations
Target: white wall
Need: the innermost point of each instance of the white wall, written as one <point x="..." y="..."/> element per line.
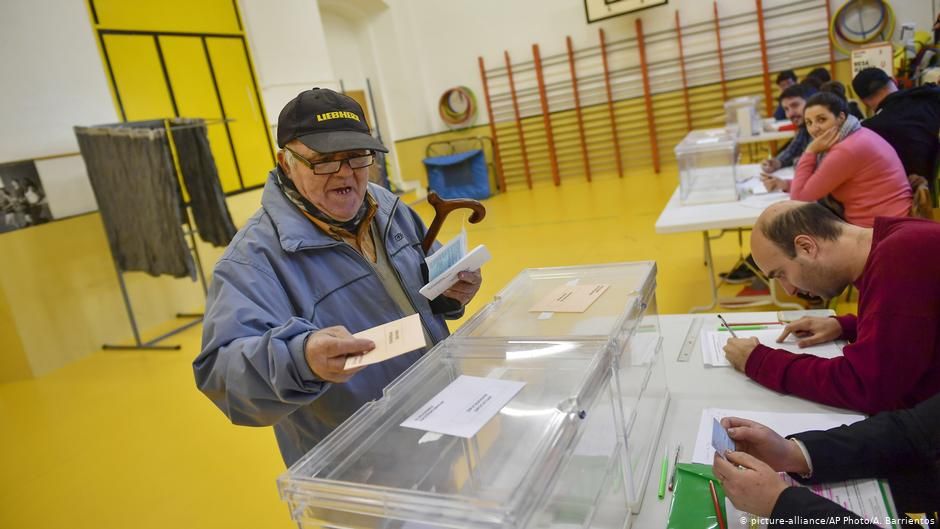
<point x="426" y="46"/>
<point x="53" y="78"/>
<point x="342" y="37"/>
<point x="289" y="49"/>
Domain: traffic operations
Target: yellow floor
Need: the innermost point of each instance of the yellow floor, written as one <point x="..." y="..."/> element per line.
<point x="124" y="439"/>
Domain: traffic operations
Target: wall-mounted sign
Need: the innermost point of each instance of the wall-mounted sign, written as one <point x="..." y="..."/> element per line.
<point x="597" y="10"/>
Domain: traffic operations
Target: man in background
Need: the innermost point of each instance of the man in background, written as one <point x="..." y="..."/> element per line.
<point x="907" y="119"/>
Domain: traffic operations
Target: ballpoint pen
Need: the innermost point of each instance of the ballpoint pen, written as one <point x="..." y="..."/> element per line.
<point x="727" y="326"/>
<point x="675" y="467"/>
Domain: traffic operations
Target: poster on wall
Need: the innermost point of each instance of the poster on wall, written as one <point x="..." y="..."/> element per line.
<point x="597" y="10"/>
<point x="23" y="200"/>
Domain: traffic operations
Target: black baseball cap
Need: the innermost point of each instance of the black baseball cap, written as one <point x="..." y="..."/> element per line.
<point x="869" y="81"/>
<point x="326" y="121"/>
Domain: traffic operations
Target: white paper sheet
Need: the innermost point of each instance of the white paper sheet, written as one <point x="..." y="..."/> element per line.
<point x="464" y="406"/>
<point x="713" y="343"/>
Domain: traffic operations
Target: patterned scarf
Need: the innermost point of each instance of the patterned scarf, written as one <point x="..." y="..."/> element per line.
<point x="286" y="185"/>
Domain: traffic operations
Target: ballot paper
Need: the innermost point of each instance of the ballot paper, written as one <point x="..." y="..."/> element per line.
<point x="447" y="256"/>
<point x="570" y="298"/>
<point x="391" y="339"/>
<point x="713" y="343"/>
<point x="464" y="406"/>
<point x="721" y="442"/>
<point x="867" y="498"/>
<point x="468" y="263"/>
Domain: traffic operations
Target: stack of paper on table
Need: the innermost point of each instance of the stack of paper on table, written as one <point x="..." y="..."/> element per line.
<point x="713" y="343"/>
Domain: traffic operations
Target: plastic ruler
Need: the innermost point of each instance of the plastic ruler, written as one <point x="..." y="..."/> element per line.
<point x="691" y="339"/>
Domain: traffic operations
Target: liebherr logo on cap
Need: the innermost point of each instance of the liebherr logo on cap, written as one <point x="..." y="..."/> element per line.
<point x="326" y="116"/>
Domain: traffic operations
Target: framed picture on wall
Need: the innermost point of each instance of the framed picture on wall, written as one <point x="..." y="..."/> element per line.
<point x="597" y="10"/>
<point x="23" y="200"/>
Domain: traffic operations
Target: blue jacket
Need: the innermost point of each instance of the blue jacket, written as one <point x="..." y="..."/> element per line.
<point x="282" y="278"/>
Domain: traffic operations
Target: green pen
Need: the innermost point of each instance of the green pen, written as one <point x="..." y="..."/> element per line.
<point x="743" y="327"/>
<point x="662" y="477"/>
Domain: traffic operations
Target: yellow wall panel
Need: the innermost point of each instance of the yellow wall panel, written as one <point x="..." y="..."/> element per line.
<point x="138" y="76"/>
<point x="196" y="97"/>
<point x="204" y="16"/>
<point x="14" y="363"/>
<point x="253" y="149"/>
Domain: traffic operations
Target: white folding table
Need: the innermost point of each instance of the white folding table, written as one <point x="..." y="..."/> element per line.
<point x="724" y="216"/>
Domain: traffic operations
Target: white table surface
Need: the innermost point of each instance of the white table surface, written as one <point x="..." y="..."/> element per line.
<point x="764" y="135"/>
<point x="767" y="136"/>
<point x="678" y="218"/>
<point x="693" y="387"/>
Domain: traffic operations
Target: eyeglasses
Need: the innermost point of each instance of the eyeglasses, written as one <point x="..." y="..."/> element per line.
<point x="333" y="166"/>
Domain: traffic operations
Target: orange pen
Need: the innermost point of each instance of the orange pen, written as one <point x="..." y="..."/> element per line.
<point x="721" y="519"/>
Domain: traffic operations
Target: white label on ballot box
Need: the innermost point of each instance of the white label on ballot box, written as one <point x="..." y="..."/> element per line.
<point x="464" y="406"/>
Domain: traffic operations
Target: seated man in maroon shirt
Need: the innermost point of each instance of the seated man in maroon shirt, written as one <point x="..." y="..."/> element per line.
<point x="893" y="358"/>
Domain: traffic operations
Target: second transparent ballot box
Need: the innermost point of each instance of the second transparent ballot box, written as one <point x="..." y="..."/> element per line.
<point x="707" y="161"/>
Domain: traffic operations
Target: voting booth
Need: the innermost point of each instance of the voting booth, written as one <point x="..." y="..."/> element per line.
<point x="543" y="410"/>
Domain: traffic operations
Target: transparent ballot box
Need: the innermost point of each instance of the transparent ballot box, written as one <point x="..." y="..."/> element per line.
<point x="573" y="448"/>
<point x="707" y="160"/>
<point x="742" y="116"/>
<point x="551" y="457"/>
<point x="625" y="317"/>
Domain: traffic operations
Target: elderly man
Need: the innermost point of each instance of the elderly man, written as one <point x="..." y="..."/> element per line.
<point x="893" y="358"/>
<point x="327" y="255"/>
<point x="907" y="119"/>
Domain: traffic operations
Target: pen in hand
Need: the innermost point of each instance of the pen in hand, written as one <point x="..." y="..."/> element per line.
<point x="723" y="322"/>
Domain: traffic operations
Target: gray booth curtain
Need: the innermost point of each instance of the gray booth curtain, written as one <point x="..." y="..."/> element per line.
<point x="206" y="198"/>
<point x="131" y="172"/>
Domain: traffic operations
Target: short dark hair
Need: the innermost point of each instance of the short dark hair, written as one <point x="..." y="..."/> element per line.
<point x="786" y="74"/>
<point x="819" y="73"/>
<point x="812" y="84"/>
<point x="811" y="219"/>
<point x="834" y="87"/>
<point x="797" y="90"/>
<point x="837" y="105"/>
<point x="869" y="80"/>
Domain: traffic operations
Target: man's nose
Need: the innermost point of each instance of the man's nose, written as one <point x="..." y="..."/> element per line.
<point x="787" y="287"/>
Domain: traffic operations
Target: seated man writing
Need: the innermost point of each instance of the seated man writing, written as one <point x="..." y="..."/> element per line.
<point x="893" y="358"/>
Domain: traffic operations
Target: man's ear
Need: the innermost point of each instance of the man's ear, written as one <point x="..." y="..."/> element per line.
<point x="281" y="162"/>
<point x="805" y="246"/>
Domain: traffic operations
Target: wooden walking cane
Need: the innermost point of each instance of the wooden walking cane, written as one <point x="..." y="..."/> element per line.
<point x="442" y="208"/>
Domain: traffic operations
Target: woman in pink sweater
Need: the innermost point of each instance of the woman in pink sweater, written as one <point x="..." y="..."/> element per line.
<point x="849" y="167"/>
